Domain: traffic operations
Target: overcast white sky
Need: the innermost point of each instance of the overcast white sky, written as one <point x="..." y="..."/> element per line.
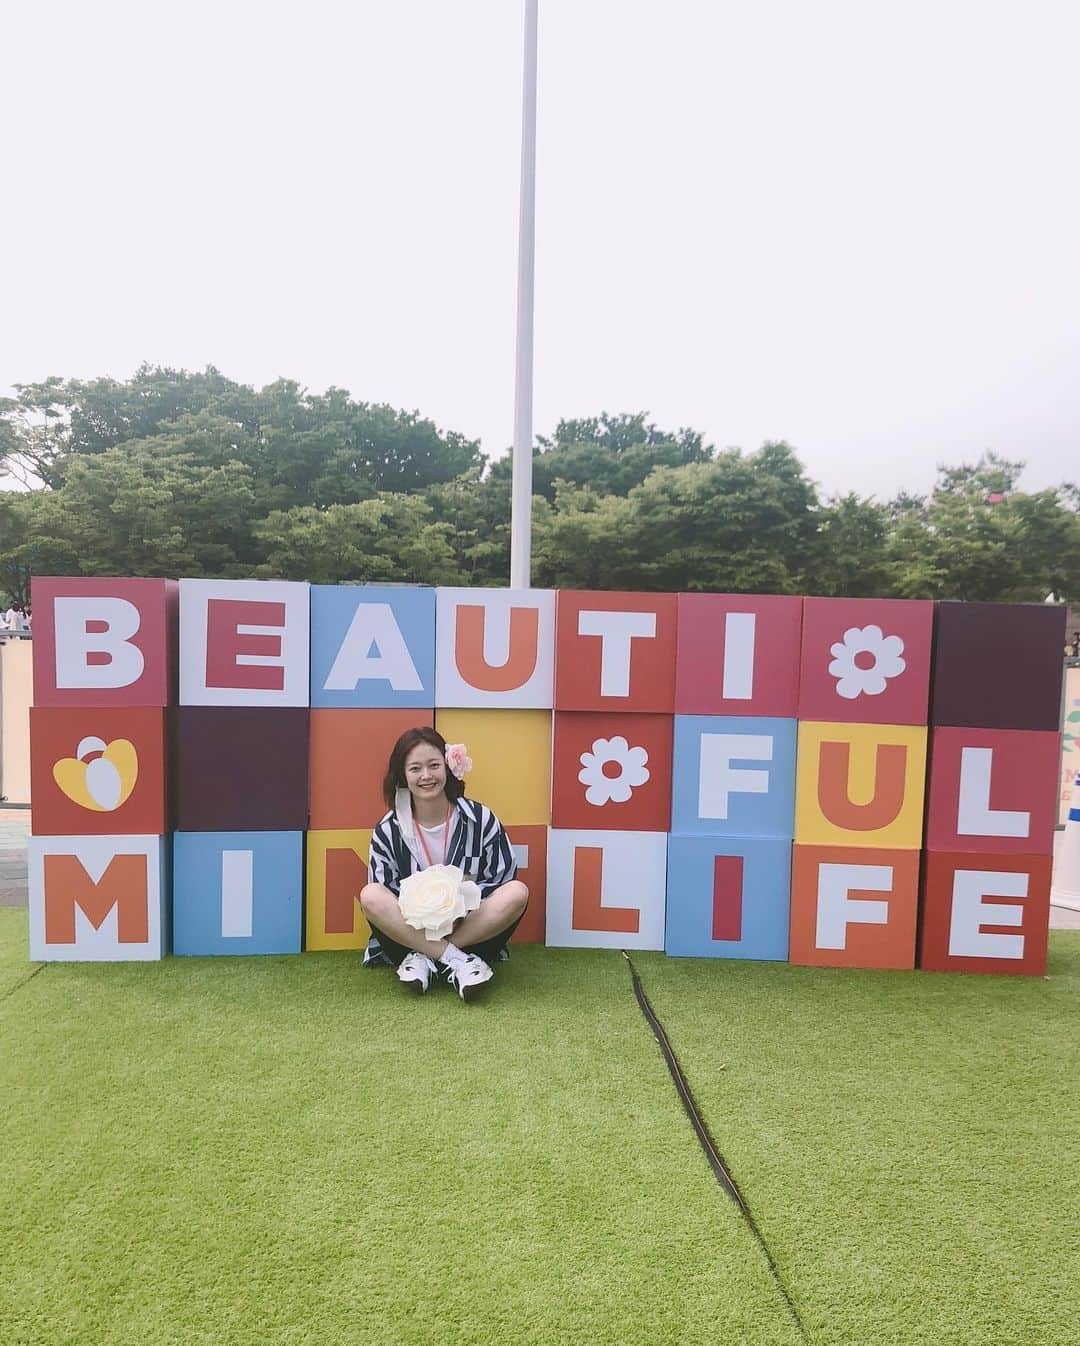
<point x="849" y="224"/>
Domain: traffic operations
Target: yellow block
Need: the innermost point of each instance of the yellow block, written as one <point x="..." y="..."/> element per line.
<point x="511" y="753"/>
<point x="860" y="785"/>
<point x="343" y="855"/>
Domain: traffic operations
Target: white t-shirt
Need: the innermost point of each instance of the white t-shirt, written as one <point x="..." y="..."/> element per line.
<point x="436" y="843"/>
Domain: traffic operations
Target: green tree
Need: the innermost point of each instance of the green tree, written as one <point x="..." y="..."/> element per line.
<point x="979" y="538"/>
<point x="173" y="473"/>
<point x="584" y="541"/>
<point x="476" y="512"/>
<point x="608" y="454"/>
<point x="145" y="509"/>
<point x="740" y="522"/>
<point x="33" y="540"/>
<point x="302" y="448"/>
<point x="849" y="557"/>
<point x="390" y="537"/>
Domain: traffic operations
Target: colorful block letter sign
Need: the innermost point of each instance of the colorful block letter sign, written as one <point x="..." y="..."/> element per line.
<point x="606" y="889"/>
<point x="728" y="897"/>
<point x="615" y="652"/>
<point x="738" y="655"/>
<point x="494" y="648"/>
<point x="104" y="643"/>
<point x="97" y="899"/>
<point x="336" y="872"/>
<point x="854" y="783"/>
<point x="105" y="675"/>
<point x="237" y="892"/>
<point x="244" y="643"/>
<point x="986" y="877"/>
<point x="372" y="647"/>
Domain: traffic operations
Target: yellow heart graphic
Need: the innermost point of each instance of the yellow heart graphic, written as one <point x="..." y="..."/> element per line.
<point x="103" y="784"/>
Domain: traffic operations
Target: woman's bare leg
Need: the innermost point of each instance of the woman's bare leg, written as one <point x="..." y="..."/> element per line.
<point x="381" y="908"/>
<point x="492" y="916"/>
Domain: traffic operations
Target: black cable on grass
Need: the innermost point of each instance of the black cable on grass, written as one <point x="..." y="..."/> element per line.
<point x="712" y="1154"/>
<point x="25" y="981"/>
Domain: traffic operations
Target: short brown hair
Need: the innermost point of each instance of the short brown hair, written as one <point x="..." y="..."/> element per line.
<point x="395" y="768"/>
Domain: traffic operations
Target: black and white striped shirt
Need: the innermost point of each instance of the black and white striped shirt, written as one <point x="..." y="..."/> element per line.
<point x="478" y="845"/>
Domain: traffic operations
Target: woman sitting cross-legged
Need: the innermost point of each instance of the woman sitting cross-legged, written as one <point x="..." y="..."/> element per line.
<point x="430" y="822"/>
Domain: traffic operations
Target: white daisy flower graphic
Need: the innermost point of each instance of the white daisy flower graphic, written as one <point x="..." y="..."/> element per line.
<point x="613" y="770"/>
<point x="865" y="661"/>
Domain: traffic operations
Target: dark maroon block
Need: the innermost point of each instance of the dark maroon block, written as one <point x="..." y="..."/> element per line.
<point x="241" y="768"/>
<point x="998" y="665"/>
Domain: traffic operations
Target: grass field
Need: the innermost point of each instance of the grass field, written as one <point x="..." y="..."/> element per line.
<point x="909" y="1144"/>
<point x="289" y="1150"/>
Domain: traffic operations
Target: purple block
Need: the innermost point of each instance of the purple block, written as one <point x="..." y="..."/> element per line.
<point x="241" y="768"/>
<point x="997" y="665"/>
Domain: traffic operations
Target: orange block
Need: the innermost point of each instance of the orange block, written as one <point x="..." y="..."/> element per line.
<point x="530" y="846"/>
<point x="98" y="772"/>
<point x="853" y="906"/>
<point x="349" y="751"/>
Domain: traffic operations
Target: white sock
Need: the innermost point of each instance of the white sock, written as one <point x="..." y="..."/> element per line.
<point x="452" y="955"/>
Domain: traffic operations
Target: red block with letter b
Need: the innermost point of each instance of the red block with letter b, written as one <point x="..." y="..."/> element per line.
<point x="104" y="642"/>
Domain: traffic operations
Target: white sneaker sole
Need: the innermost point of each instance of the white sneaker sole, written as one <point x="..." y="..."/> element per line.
<point x="466" y="993"/>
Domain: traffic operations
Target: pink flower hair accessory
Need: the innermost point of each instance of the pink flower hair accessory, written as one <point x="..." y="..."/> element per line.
<point x="458" y="760"/>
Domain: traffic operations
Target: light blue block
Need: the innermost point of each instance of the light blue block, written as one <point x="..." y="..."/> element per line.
<point x="374" y="644"/>
<point x="763" y="910"/>
<point x="237" y="892"/>
<point x="734" y="776"/>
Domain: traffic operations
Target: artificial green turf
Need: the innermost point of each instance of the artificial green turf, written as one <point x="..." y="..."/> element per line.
<point x="292" y="1150"/>
<point x="14" y="966"/>
<point x="909" y="1142"/>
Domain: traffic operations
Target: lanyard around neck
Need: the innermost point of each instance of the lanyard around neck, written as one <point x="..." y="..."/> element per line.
<point x="445" y="840"/>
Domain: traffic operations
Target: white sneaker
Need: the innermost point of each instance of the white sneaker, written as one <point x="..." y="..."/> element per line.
<point x="468" y="975"/>
<point x="416" y="970"/>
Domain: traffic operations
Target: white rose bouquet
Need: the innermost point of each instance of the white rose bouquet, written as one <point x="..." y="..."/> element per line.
<point x="435" y="898"/>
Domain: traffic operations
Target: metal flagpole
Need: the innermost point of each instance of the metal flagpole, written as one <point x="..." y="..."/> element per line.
<point x="521" y="489"/>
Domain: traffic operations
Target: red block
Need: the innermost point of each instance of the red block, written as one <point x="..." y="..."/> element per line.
<point x="738" y="655"/>
<point x="866" y="660"/>
<point x="348" y="755"/>
<point x="98" y="772"/>
<point x="985" y="913"/>
<point x="853" y="906"/>
<point x="104" y="642"/>
<point x="615" y="651"/>
<point x="627" y="772"/>
<point x="727" y="903"/>
<point x="531" y="843"/>
<point x="993" y="790"/>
